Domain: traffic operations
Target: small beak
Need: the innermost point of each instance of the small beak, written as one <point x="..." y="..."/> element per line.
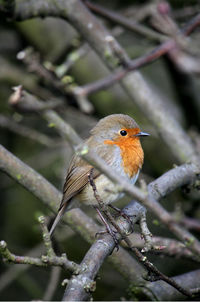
<point x="142" y="134"/>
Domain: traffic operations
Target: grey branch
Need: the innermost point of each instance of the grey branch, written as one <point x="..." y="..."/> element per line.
<point x="43" y="261"/>
<point x="27" y="132"/>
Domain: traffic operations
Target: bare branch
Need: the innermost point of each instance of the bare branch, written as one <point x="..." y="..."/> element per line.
<point x="15" y="271"/>
<point x="168" y="291"/>
<point x="129" y="24"/>
<point x="27" y="132"/>
<point x="173" y="179"/>
<point x="82" y="284"/>
<point x="46" y="237"/>
<point x="33" y="61"/>
<point x="52" y="284"/>
<point x="43" y="261"/>
<point x="164" y="246"/>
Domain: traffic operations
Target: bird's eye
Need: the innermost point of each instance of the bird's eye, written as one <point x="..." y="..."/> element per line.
<point x="123" y="132"/>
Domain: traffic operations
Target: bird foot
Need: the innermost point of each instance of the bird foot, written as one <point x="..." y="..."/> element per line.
<point x="124" y="215"/>
<point x="108" y="228"/>
<point x="112" y="233"/>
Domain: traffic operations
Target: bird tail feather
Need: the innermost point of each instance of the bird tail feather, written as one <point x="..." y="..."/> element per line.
<point x="57" y="219"/>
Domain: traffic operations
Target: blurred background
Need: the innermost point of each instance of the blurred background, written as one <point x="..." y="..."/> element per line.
<point x="27" y="49"/>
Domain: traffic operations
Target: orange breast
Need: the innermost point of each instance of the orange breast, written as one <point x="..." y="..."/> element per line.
<point x="131" y="152"/>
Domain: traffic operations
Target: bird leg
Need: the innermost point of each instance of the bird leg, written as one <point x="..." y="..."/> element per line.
<point x="124" y="215"/>
<point x="108" y="228"/>
<point x="102" y="207"/>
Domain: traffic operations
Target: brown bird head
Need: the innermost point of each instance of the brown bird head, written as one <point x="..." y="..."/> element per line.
<point x="117" y="127"/>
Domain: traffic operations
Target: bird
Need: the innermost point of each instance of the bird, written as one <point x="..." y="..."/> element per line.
<point x="116" y="139"/>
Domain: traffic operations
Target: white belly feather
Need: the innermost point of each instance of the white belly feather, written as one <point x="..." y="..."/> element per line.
<point x="105" y="187"/>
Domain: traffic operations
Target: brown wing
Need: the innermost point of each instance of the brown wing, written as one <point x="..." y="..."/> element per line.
<point x="76" y="179"/>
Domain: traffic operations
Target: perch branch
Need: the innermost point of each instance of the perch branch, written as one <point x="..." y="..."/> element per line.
<point x="82" y="284"/>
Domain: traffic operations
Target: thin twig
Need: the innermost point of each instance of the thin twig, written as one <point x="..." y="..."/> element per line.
<point x="163" y="246"/>
<point x="46" y="237"/>
<point x="127" y="23"/>
<point x="32" y="60"/>
<point x="133" y="65"/>
<point x="52" y="284"/>
<point x="146" y="234"/>
<point x="41" y="262"/>
<point x="140" y="62"/>
<point x="24" y="131"/>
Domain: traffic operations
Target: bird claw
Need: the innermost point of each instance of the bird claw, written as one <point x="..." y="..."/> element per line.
<point x="100" y="233"/>
<point x="125" y="216"/>
<point x="112" y="233"/>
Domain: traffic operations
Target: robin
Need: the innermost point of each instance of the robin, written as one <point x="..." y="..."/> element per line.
<point x="116" y="139"/>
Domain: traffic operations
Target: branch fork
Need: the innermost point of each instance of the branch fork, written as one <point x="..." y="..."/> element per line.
<point x="45" y="260"/>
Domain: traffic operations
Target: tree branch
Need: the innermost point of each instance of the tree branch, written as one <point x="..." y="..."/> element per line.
<point x="127" y="23"/>
<point x="44" y="260"/>
<point x="164" y="246"/>
<point x="27" y="132"/>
